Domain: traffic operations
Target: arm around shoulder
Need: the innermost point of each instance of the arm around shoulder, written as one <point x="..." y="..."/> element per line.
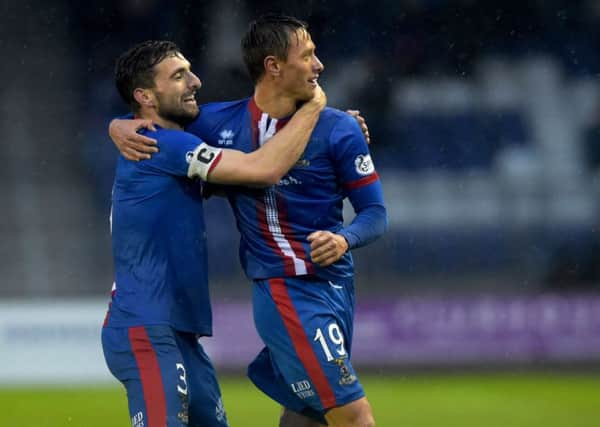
<point x="267" y="165"/>
<point x="132" y="145"/>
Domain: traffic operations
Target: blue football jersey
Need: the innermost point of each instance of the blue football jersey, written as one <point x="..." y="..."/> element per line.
<point x="275" y="222"/>
<point x="159" y="240"/>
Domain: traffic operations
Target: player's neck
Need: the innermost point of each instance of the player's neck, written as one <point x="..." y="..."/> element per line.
<point x="158" y="120"/>
<point x="273" y="102"/>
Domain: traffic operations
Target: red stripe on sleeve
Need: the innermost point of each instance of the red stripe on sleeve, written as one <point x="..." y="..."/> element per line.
<point x="152" y="385"/>
<point x="301" y="344"/>
<point x="353" y="185"/>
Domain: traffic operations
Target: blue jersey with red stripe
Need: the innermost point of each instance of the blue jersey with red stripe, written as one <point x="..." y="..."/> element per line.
<point x="159" y="240"/>
<point x="274" y="222"/>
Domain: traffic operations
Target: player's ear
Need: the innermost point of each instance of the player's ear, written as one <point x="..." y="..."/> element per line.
<point x="272" y="66"/>
<point x="144" y="97"/>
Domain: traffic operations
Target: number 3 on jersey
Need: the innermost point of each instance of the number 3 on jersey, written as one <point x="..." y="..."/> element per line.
<point x="182" y="387"/>
<point x="336" y="337"/>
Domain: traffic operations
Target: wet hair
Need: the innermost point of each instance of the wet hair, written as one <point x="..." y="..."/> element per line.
<point x="268" y="35"/>
<point x="135" y="68"/>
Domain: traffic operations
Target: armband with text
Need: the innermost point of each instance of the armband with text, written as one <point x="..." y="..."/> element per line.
<point x="202" y="160"/>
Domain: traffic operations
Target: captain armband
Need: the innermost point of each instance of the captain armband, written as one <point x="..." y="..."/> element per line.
<point x="202" y="160"/>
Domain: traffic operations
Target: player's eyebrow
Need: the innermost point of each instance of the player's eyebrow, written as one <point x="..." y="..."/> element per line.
<point x="309" y="50"/>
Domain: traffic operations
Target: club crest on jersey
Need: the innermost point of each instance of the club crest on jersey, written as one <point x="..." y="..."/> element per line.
<point x="364" y="164"/>
<point x="226" y="137"/>
<point x="346" y="377"/>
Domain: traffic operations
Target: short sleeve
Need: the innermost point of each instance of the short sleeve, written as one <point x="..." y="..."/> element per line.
<point x="350" y="151"/>
<point x="183" y="154"/>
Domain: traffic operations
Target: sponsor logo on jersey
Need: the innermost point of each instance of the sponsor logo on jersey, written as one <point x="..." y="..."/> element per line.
<point x="302" y="389"/>
<point x="364" y="164"/>
<point x="289" y="180"/>
<point x="226" y="137"/>
<point x="346" y="377"/>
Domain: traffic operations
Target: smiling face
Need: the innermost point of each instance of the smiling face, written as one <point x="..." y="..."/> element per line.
<point x="300" y="70"/>
<point x="175" y="89"/>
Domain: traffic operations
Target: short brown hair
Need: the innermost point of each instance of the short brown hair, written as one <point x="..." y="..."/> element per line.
<point x="268" y="35"/>
<point x="135" y="68"/>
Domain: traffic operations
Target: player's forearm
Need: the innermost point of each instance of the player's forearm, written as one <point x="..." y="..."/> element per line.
<point x="278" y="155"/>
<point x="368" y="225"/>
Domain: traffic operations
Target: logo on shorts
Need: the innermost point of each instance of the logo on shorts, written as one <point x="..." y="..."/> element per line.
<point x="302" y="389"/>
<point x="220" y="411"/>
<point x="364" y="164"/>
<point x="183" y="415"/>
<point x="346" y="377"/>
<point x="137" y="420"/>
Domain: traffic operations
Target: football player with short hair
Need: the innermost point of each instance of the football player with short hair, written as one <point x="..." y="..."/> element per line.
<point x="160" y="301"/>
<point x="294" y="246"/>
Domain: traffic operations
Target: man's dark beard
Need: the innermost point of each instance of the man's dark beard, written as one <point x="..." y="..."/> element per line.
<point x="182" y="118"/>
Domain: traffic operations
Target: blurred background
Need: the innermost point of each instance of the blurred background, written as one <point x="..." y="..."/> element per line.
<point x="485" y="127"/>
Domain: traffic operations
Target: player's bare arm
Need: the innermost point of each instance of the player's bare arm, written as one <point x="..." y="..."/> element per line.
<point x="267" y="165"/>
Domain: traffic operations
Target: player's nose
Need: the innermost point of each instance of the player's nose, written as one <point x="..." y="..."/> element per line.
<point x="195" y="82"/>
<point x="318" y="65"/>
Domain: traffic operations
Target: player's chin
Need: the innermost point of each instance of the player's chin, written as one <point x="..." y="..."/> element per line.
<point x="186" y="116"/>
<point x="308" y="93"/>
<point x="191" y="109"/>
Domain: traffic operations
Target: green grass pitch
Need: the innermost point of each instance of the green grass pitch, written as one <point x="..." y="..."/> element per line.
<point x="484" y="400"/>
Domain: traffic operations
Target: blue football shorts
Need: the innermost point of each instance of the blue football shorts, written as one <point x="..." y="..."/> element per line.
<point x="306" y="324"/>
<point x="169" y="379"/>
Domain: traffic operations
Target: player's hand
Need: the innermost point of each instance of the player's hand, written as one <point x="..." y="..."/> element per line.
<point x="131" y="144"/>
<point x="319" y="100"/>
<point x="326" y="247"/>
<point x="361" y="122"/>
